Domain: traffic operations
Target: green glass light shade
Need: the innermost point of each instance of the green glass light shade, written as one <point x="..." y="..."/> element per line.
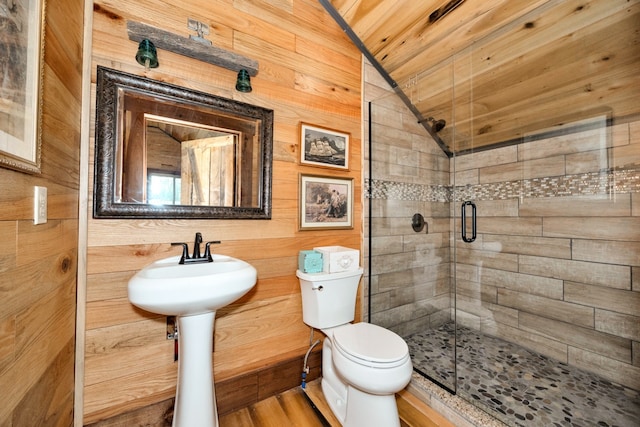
<point x="147" y="55"/>
<point x="243" y="83"/>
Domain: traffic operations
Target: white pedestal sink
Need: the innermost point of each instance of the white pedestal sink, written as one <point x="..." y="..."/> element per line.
<point x="192" y="293"/>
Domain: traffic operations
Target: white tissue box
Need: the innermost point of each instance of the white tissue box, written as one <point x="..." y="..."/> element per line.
<point x="338" y="258"/>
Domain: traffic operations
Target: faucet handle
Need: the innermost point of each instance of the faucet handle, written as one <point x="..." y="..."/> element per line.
<point x="207" y="249"/>
<point x="185" y="251"/>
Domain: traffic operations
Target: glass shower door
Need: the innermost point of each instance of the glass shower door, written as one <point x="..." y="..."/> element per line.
<point x="528" y="310"/>
<point x="542" y="254"/>
<point x="408" y="274"/>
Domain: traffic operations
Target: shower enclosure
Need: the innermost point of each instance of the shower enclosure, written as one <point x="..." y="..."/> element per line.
<point x="520" y="293"/>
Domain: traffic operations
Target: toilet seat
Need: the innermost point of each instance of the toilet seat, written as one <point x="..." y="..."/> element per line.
<point x="371" y="345"/>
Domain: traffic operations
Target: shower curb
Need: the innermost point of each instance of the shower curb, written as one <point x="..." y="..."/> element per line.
<point x="452" y="407"/>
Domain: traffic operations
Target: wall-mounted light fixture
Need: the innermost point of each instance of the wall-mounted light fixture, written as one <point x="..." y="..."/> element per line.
<point x="147" y="55"/>
<point x="194" y="47"/>
<point x="243" y="83"/>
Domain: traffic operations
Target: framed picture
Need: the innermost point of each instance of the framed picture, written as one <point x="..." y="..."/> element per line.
<point x="324" y="147"/>
<point x="325" y="203"/>
<point x="21" y="40"/>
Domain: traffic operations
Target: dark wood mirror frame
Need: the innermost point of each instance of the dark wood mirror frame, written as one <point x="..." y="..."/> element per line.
<point x="109" y="87"/>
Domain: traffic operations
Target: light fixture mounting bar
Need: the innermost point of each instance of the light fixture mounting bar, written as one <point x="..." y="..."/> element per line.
<point x="185" y="46"/>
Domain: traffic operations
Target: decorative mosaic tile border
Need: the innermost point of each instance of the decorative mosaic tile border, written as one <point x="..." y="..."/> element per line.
<point x="608" y="182"/>
<point x="394" y="190"/>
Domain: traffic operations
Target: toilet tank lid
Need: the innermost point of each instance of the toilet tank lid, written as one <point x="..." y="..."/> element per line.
<point x="371" y="342"/>
<point x="314" y="277"/>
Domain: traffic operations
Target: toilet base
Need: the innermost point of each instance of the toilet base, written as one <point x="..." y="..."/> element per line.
<point x="364" y="409"/>
<point x="371" y="410"/>
<point x="337" y="401"/>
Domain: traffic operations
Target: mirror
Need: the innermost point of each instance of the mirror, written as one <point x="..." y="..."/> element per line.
<point x="164" y="151"/>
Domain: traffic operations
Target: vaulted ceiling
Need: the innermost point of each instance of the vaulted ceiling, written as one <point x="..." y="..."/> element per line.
<point x="500" y="71"/>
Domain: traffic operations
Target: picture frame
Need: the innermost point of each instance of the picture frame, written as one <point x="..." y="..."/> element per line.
<point x="325" y="202"/>
<point x="324" y="147"/>
<point x="20" y="99"/>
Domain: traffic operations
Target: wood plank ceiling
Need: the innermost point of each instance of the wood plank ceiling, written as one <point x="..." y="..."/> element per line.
<point x="500" y="72"/>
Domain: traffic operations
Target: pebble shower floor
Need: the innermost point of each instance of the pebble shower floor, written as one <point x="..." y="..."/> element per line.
<point x="521" y="387"/>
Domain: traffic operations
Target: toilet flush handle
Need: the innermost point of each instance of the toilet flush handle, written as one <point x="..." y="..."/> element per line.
<point x="317" y="288"/>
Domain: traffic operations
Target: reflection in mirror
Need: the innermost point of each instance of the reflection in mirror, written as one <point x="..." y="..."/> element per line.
<point x="186" y="164"/>
<point x="168" y="152"/>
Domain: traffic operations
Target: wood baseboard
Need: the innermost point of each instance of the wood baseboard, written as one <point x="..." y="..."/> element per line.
<point x="239" y="392"/>
<point x="416" y="413"/>
<point x="231" y="394"/>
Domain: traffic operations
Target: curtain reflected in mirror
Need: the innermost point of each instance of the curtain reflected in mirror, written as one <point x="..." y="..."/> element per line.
<point x="208" y="170"/>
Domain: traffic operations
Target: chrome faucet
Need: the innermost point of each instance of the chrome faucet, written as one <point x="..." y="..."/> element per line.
<point x="206" y="257"/>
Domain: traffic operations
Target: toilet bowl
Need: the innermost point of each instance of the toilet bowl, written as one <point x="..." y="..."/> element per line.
<point x="363" y="365"/>
<point x="373" y="359"/>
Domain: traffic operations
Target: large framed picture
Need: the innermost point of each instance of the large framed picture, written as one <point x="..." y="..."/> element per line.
<point x="21" y="46"/>
<point x="325" y="202"/>
<point x="324" y="147"/>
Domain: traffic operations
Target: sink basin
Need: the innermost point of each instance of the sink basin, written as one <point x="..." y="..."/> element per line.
<point x="192" y="293"/>
<point x="166" y="287"/>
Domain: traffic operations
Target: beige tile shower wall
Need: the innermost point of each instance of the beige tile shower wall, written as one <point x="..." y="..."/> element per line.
<point x="556" y="263"/>
<point x="409" y="271"/>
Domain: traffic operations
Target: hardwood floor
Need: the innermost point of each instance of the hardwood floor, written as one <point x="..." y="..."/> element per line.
<point x="291" y="408"/>
<point x="294" y="408"/>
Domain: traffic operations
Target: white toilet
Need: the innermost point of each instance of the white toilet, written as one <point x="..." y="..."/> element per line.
<point x="363" y="365"/>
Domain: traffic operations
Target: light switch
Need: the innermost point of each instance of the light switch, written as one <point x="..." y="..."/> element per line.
<point x="39" y="205"/>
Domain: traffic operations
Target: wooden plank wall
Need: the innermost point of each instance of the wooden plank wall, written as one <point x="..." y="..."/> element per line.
<point x="309" y="71"/>
<point x="38" y="263"/>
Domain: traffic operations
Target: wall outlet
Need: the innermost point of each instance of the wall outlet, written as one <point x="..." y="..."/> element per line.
<point x="39" y="205"/>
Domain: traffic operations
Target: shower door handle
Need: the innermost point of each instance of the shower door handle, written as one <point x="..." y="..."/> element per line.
<point x="463" y="217"/>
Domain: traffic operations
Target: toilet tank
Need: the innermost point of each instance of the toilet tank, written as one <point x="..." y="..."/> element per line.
<point x="329" y="299"/>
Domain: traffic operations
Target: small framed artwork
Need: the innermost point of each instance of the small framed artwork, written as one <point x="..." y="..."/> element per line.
<point x="324" y="147"/>
<point x="21" y="40"/>
<point x="325" y="202"/>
